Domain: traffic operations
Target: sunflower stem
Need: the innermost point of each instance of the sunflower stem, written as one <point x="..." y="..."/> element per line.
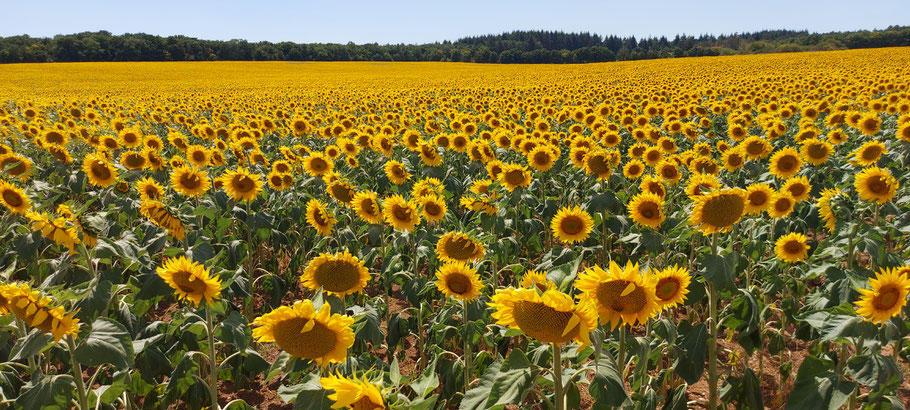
<point x="850" y="246"/>
<point x="603" y="234"/>
<point x="557" y="377"/>
<point x="32" y="366"/>
<point x="88" y="259"/>
<point x="712" y="336"/>
<point x="621" y="353"/>
<point x="468" y="355"/>
<point x="77" y="373"/>
<point x="213" y="376"/>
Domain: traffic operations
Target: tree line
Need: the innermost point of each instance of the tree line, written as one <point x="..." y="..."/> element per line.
<point x="515" y="47"/>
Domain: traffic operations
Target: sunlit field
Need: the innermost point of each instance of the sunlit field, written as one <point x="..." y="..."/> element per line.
<point x="678" y="233"/>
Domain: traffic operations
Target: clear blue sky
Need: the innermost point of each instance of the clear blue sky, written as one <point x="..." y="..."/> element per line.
<point x="340" y="21"/>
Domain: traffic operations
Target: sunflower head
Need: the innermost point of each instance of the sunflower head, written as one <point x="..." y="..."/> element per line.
<point x="241" y="184"/>
<point x="534" y="279"/>
<point x="14" y="198"/>
<point x="622" y="295"/>
<point x="190" y="280"/>
<point x="718" y="210"/>
<point x="319" y="217"/>
<point x="876" y="184"/>
<point x="459" y="280"/>
<point x="353" y="393"/>
<point x="791" y="247"/>
<point x="647" y="209"/>
<point x="551" y="316"/>
<point x="190" y="181"/>
<point x="572" y="224"/>
<point x="338" y="274"/>
<point x="671" y="285"/>
<point x="304" y="332"/>
<point x="885" y="297"/>
<point x="366" y="205"/>
<point x="785" y="163"/>
<point x="401" y="214"/>
<point x="758" y="197"/>
<point x="459" y="247"/>
<point x="100" y="171"/>
<point x="38" y="311"/>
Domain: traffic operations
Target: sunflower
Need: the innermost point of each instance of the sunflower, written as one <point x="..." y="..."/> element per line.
<point x="653" y="185"/>
<point x="149" y="189"/>
<point x="535" y="279"/>
<point x="633" y="169"/>
<point x="317" y="164"/>
<point x="597" y="163"/>
<point x="190" y="181"/>
<point x="733" y="159"/>
<point x="198" y="155"/>
<point x="886" y="298"/>
<point x="318" y="217"/>
<point x="57" y="230"/>
<point x="647" y="209"/>
<point x="700" y="184"/>
<point x="302" y="331"/>
<point x="159" y="215"/>
<point x="868" y="153"/>
<point x="870" y="124"/>
<point x="876" y="184"/>
<point x="758" y="197"/>
<point x="458" y="280"/>
<point x="429" y="155"/>
<point x="514" y="176"/>
<point x="781" y="204"/>
<point x="190" y="280"/>
<point x="475" y="203"/>
<point x="38" y="311"/>
<point x="338" y="274"/>
<point x="432" y="207"/>
<point x="459" y="247"/>
<point x="791" y="247"/>
<point x="668" y="172"/>
<point x="401" y="214"/>
<point x="279" y="181"/>
<point x="622" y="295"/>
<point x="241" y="184"/>
<point x="798" y="187"/>
<point x="816" y="152"/>
<point x="653" y="156"/>
<point x="14" y="198"/>
<point x="785" y="163"/>
<point x="367" y="207"/>
<point x="572" y="225"/>
<point x="718" y="210"/>
<point x="100" y="172"/>
<point x="542" y="157"/>
<point x="671" y="285"/>
<point x="341" y="191"/>
<point x="352" y="393"/>
<point x="396" y="172"/>
<point x="551" y="317"/>
<point x="825" y="212"/>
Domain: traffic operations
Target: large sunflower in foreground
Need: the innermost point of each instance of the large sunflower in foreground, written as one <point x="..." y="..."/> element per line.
<point x="886" y="297"/>
<point x="320" y="218"/>
<point x="551" y="317"/>
<point x="647" y="209"/>
<point x="38" y="311"/>
<point x="190" y="181"/>
<point x="14" y="198"/>
<point x="622" y="295"/>
<point x="190" y="280"/>
<point x="338" y="274"/>
<point x="718" y="210"/>
<point x="791" y="247"/>
<point x="572" y="225"/>
<point x="401" y="214"/>
<point x="459" y="247"/>
<point x="875" y="184"/>
<point x="366" y="205"/>
<point x="241" y="184"/>
<point x="671" y="285"/>
<point x="352" y="393"/>
<point x="306" y="333"/>
<point x="458" y="280"/>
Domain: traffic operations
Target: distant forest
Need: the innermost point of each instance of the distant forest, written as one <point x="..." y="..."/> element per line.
<point x="514" y="47"/>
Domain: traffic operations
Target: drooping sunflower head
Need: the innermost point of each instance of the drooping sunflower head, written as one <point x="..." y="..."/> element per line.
<point x="718" y="210"/>
<point x="785" y="163"/>
<point x="241" y="184"/>
<point x="306" y="333"/>
<point x="791" y="247"/>
<point x="671" y="285"/>
<point x="353" y="393"/>
<point x="572" y="224"/>
<point x="366" y="205"/>
<point x="876" y="184"/>
<point x="319" y="217"/>
<point x="459" y="247"/>
<point x="38" y="311"/>
<point x="622" y="296"/>
<point x="190" y="280"/>
<point x="401" y="214"/>
<point x="647" y="209"/>
<point x="458" y="280"/>
<point x="885" y="297"/>
<point x="534" y="279"/>
<point x="551" y="316"/>
<point x="190" y="181"/>
<point x="339" y="274"/>
<point x="825" y="207"/>
<point x="14" y="198"/>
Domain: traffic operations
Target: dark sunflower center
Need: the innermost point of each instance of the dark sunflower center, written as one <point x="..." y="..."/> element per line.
<point x="634" y="169"/>
<point x="817" y="151"/>
<point x="723" y="210"/>
<point x="782" y="205"/>
<point x="793" y="247"/>
<point x="199" y="157"/>
<point x="368" y="207"/>
<point x="401" y="213"/>
<point x="189" y="284"/>
<point x="337" y="276"/>
<point x="515" y="177"/>
<point x="398" y="172"/>
<point x="609" y="294"/>
<point x="190" y="180"/>
<point x="871" y="153"/>
<point x="541" y="158"/>
<point x="458" y="284"/>
<point x="886" y="298"/>
<point x="758" y="198"/>
<point x="649" y="210"/>
<point x="364" y="404"/>
<point x="787" y="163"/>
<point x="667" y="288"/>
<point x="734" y="160"/>
<point x="543" y="322"/>
<point x="318" y="164"/>
<point x="431" y="208"/>
<point x="460" y="248"/>
<point x="315" y="343"/>
<point x="135" y="160"/>
<point x="54" y="137"/>
<point x="320" y="217"/>
<point x="100" y="170"/>
<point x="12" y="198"/>
<point x="598" y="164"/>
<point x="342" y="193"/>
<point x="572" y="225"/>
<point x="669" y="172"/>
<point x="755" y="148"/>
<point x="243" y="184"/>
<point x="877" y="185"/>
<point x="797" y="190"/>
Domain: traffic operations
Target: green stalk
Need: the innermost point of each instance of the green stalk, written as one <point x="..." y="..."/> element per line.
<point x="712" y="336"/>
<point x="468" y="355"/>
<point x="557" y="377"/>
<point x="32" y="366"/>
<point x="621" y="353"/>
<point x="213" y="377"/>
<point x="77" y="373"/>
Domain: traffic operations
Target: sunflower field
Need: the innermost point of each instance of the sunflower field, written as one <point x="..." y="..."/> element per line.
<point x="685" y="233"/>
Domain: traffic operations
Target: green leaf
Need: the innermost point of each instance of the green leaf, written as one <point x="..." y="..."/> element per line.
<point x="235" y="331"/>
<point x="35" y="342"/>
<point x="237" y="405"/>
<point x="108" y="342"/>
<point x="313" y="400"/>
<point x="50" y="393"/>
<point x="95" y="301"/>
<point x="818" y="387"/>
<point x="607" y="388"/>
<point x="691" y="365"/>
<point x="719" y="270"/>
<point x="874" y="370"/>
<point x="427" y="382"/>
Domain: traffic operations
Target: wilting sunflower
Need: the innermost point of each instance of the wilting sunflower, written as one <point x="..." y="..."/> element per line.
<point x="550" y="317"/>
<point x="367" y="207"/>
<point x="190" y="281"/>
<point x="190" y="181"/>
<point x="671" y="285"/>
<point x="825" y="212"/>
<point x="622" y="295"/>
<point x="536" y="279"/>
<point x="459" y="247"/>
<point x="338" y="274"/>
<point x="14" y="198"/>
<point x="758" y="197"/>
<point x="876" y="184"/>
<point x="572" y="225"/>
<point x="241" y="184"/>
<point x="149" y="189"/>
<point x="320" y="218"/>
<point x="798" y="187"/>
<point x="475" y="203"/>
<point x="304" y="332"/>
<point x="647" y="209"/>
<point x="514" y="176"/>
<point x="38" y="311"/>
<point x="159" y="215"/>
<point x="717" y="211"/>
<point x="458" y="280"/>
<point x="432" y="207"/>
<point x="396" y="172"/>
<point x="401" y="214"/>
<point x="99" y="171"/>
<point x="56" y="230"/>
<point x="791" y="247"/>
<point x="352" y="393"/>
<point x="781" y="204"/>
<point x="886" y="298"/>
